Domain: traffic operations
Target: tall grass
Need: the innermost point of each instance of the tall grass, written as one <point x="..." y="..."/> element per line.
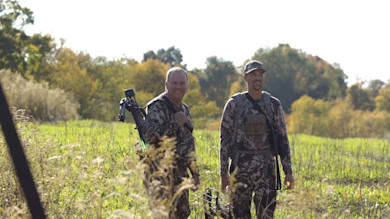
<point x="349" y="177"/>
<point x="90" y="169"/>
<point x="43" y="103"/>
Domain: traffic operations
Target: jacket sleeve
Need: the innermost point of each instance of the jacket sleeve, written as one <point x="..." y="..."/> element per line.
<point x="284" y="145"/>
<point x="226" y="133"/>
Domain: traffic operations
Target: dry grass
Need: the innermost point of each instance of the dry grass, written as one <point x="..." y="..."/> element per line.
<point x="90" y="169"/>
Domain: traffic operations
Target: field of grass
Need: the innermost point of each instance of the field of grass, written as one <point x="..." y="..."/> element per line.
<point x="90" y="169"/>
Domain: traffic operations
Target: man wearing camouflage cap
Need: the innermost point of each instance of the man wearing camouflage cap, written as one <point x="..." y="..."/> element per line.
<point x="168" y="116"/>
<point x="247" y="124"/>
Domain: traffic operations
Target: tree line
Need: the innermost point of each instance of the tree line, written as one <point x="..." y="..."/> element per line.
<point x="95" y="85"/>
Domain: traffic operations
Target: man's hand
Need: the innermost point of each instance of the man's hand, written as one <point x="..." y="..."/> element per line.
<point x="225" y="183"/>
<point x="196" y="183"/>
<point x="180" y="118"/>
<point x="289" y="181"/>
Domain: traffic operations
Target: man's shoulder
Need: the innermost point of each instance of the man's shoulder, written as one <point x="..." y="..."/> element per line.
<point x="238" y="97"/>
<point x="239" y="94"/>
<point x="236" y="102"/>
<point x="158" y="104"/>
<point x="156" y="100"/>
<point x="268" y="97"/>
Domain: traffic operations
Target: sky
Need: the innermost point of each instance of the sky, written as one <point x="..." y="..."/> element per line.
<point x="354" y="34"/>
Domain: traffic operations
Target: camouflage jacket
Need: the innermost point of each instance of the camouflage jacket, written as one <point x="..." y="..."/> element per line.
<point x="252" y="132"/>
<point x="160" y="122"/>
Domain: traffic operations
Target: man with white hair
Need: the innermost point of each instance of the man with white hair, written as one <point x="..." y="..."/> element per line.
<point x="168" y="116"/>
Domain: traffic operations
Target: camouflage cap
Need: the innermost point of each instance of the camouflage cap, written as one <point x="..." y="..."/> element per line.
<point x="253" y="65"/>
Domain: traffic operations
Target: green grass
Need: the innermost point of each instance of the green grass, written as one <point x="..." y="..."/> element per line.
<point x="89" y="169"/>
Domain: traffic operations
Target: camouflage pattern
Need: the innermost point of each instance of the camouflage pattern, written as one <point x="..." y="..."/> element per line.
<point x="253" y="165"/>
<point x="160" y="122"/>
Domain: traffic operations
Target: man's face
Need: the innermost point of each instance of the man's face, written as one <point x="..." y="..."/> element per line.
<point x="177" y="86"/>
<point x="255" y="80"/>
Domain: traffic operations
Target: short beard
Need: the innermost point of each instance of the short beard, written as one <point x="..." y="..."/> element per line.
<point x="256" y="88"/>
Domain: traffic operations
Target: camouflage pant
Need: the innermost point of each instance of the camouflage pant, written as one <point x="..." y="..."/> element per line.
<point x="254" y="178"/>
<point x="166" y="189"/>
<point x="181" y="203"/>
<point x="182" y="206"/>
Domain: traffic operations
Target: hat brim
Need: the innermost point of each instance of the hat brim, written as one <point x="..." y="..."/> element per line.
<point x="255" y="69"/>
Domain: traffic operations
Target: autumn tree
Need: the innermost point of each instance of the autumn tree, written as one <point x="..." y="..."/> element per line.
<point x="382" y="101"/>
<point x="238" y="86"/>
<point x="201" y="108"/>
<point x="336" y="119"/>
<point x="65" y="72"/>
<point x="148" y="79"/>
<point x="309" y="116"/>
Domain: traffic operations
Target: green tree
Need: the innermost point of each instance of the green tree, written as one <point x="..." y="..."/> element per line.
<point x="374" y="86"/>
<point x="359" y="97"/>
<point x="217" y="79"/>
<point x="18" y="51"/>
<point x="110" y="79"/>
<point x="170" y="56"/>
<point x="149" y="55"/>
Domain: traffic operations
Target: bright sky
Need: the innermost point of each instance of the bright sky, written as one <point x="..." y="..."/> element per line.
<point x="353" y="33"/>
